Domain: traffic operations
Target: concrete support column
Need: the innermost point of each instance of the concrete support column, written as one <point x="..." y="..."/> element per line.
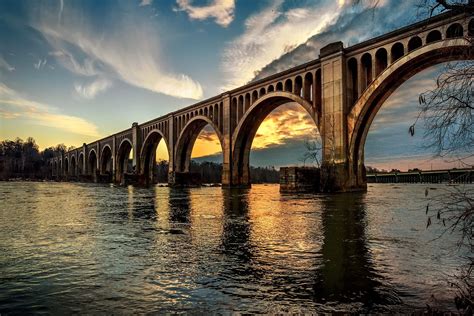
<point x="99" y="157"/>
<point x="84" y="159"/>
<point x="227" y="174"/>
<point x="171" y="150"/>
<point x="136" y="145"/>
<point x="76" y="165"/>
<point x="335" y="172"/>
<point x="114" y="158"/>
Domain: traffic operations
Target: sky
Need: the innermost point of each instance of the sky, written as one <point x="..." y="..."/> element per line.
<point x="74" y="71"/>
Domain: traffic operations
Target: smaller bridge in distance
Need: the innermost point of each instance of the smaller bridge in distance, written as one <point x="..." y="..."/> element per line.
<point x="430" y="176"/>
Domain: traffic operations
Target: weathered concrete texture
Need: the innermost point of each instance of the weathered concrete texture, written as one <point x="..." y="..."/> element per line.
<point x="299" y="179"/>
<point x="342" y="91"/>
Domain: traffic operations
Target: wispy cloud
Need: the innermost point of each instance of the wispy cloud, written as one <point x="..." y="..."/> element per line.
<point x="222" y="11"/>
<point x="127" y="50"/>
<point x="145" y="2"/>
<point x="90" y="90"/>
<point x="271" y="33"/>
<point x="40" y="63"/>
<point x="15" y="106"/>
<point x="5" y="65"/>
<point x="85" y="68"/>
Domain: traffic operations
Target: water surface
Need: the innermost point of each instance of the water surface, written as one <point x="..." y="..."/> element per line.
<point x="69" y="247"/>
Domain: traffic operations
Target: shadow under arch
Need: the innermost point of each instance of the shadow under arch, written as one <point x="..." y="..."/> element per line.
<point x="92" y="164"/>
<point x="122" y="159"/>
<point x="246" y="130"/>
<point x="106" y="162"/>
<point x="366" y="108"/>
<point x="148" y="152"/>
<point x="72" y="167"/>
<point x="187" y="138"/>
<point x="80" y="164"/>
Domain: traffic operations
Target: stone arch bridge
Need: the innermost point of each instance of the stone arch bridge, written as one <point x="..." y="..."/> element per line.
<point x="342" y="91"/>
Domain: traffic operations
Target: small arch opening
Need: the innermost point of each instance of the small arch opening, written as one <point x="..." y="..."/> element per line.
<point x="366" y="62"/>
<point x="279" y="86"/>
<point x="288" y="85"/>
<point x="397" y="51"/>
<point x="247" y="101"/>
<point x="254" y="96"/>
<point x="455" y="30"/>
<point x="318" y="95"/>
<point x="233" y="113"/>
<point x="414" y="43"/>
<point x="299" y="86"/>
<point x="308" y="87"/>
<point x="353" y="80"/>
<point x="240" y="112"/>
<point x="381" y="61"/>
<point x="433" y="36"/>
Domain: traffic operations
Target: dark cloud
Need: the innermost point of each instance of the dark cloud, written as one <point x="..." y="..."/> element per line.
<point x="353" y="26"/>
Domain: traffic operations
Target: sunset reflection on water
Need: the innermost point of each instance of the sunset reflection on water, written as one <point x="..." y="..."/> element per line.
<point x="99" y="248"/>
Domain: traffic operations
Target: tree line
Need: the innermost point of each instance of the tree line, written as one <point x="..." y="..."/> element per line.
<point x="23" y="159"/>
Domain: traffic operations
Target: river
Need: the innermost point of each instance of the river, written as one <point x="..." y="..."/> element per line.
<point x="71" y="247"/>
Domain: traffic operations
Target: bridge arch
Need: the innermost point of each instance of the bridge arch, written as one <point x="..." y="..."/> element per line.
<point x="187" y="138"/>
<point x="63" y="166"/>
<point x="148" y="152"/>
<point x="72" y="167"/>
<point x="92" y="164"/>
<point x="105" y="166"/>
<point x="123" y="154"/>
<point x="80" y="164"/>
<point x="367" y="106"/>
<point x="246" y="130"/>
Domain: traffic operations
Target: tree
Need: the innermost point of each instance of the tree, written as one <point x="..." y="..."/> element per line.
<point x="447" y="113"/>
<point x="313" y="149"/>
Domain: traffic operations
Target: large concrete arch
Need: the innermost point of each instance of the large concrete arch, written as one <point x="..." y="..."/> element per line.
<point x="106" y="161"/>
<point x="366" y="108"/>
<point x="245" y="131"/>
<point x="123" y="153"/>
<point x="80" y="164"/>
<point x="187" y="138"/>
<point x="92" y="164"/>
<point x="73" y="165"/>
<point x="147" y="154"/>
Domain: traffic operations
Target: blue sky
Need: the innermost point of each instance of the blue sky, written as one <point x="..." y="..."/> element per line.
<point x="75" y="71"/>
